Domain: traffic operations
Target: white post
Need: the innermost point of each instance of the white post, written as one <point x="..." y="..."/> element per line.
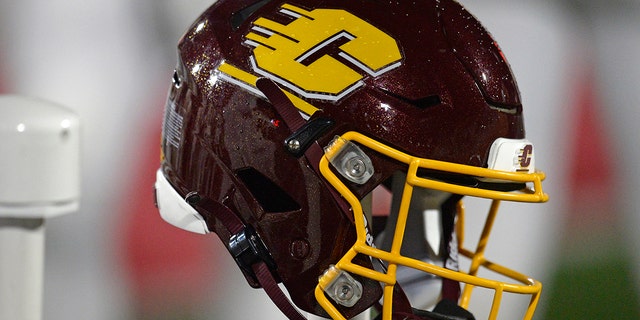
<point x="39" y="179"/>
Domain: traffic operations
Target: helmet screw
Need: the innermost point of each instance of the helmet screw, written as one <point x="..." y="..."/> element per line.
<point x="344" y="292"/>
<point x="293" y="145"/>
<point x="192" y="198"/>
<point x="300" y="248"/>
<point x="356" y="167"/>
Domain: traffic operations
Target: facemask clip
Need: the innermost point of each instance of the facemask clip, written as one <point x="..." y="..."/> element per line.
<point x="341" y="287"/>
<point x="350" y="161"/>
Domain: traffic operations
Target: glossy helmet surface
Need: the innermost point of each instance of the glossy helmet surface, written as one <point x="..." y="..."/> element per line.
<point x="284" y="116"/>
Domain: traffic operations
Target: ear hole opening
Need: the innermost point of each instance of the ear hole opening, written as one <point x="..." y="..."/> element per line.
<point x="269" y="195"/>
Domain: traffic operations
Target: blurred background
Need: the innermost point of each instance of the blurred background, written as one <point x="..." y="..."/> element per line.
<point x="111" y="62"/>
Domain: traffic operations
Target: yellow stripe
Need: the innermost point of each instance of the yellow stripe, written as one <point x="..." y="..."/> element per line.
<point x="239" y="74"/>
<point x="302" y="105"/>
<point x="251" y="79"/>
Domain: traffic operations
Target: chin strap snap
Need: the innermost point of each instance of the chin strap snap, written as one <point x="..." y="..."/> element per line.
<point x="254" y="259"/>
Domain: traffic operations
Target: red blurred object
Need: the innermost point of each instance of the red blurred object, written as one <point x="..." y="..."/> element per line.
<point x="591" y="162"/>
<point x="170" y="271"/>
<point x="591" y="170"/>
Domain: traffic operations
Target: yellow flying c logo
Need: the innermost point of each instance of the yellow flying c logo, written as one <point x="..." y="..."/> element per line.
<point x="321" y="54"/>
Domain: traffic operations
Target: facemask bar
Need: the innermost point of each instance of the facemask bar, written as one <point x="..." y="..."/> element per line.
<point x="393" y="258"/>
<point x="478" y="260"/>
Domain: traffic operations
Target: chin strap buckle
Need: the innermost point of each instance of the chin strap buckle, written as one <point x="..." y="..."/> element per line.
<point x="247" y="249"/>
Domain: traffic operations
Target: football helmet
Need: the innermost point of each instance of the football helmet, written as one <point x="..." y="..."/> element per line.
<point x="283" y="118"/>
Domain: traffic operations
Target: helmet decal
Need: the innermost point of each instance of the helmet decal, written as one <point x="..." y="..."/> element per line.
<point x="512" y="155"/>
<point x="172" y="125"/>
<point x="299" y="55"/>
<point x="525" y="157"/>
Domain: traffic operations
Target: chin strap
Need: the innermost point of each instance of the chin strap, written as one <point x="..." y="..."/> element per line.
<point x="270" y="286"/>
<point x="253" y="257"/>
<point x="245" y="245"/>
<point x="285" y="108"/>
<point x="292" y="118"/>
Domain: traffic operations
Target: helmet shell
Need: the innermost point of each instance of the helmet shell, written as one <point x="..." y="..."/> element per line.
<point x="447" y="95"/>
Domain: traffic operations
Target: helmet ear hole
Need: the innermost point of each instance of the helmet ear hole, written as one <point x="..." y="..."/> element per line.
<point x="269" y="195"/>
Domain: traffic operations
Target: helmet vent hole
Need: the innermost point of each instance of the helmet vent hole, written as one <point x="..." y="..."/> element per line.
<point x="420" y="103"/>
<point x="269" y="195"/>
<point x="426" y="102"/>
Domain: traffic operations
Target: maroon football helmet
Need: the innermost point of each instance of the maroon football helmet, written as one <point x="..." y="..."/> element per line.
<point x="283" y="118"/>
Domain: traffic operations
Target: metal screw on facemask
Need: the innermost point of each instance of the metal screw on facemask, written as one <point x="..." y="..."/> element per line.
<point x="349" y="160"/>
<point x="293" y="145"/>
<point x="356" y="167"/>
<point x="344" y="292"/>
<point x="342" y="287"/>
